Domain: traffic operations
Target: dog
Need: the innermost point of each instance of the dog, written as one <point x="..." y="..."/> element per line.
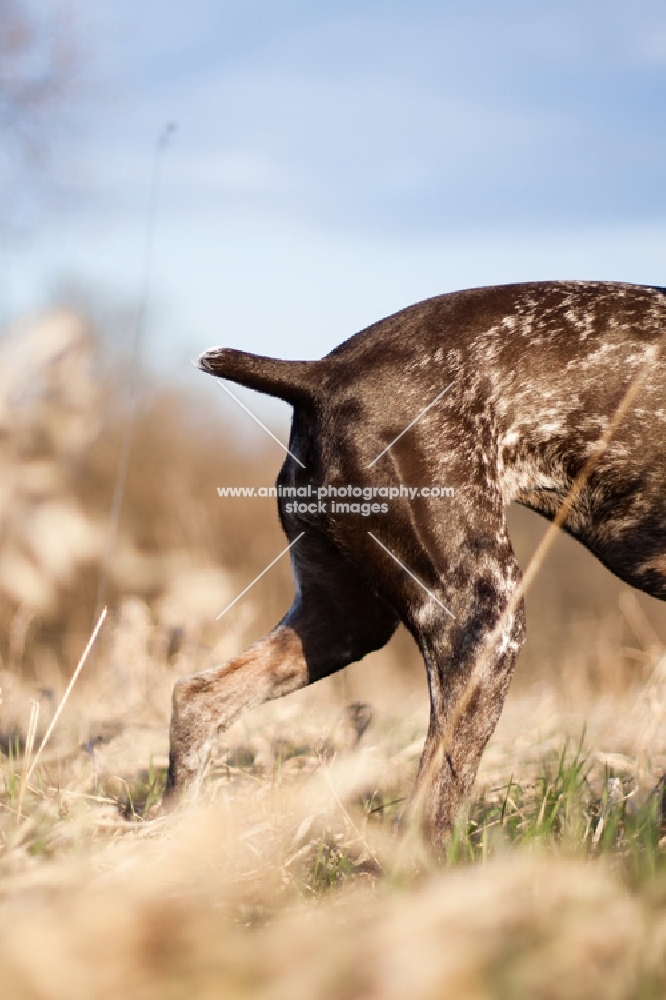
<point x="507" y="393"/>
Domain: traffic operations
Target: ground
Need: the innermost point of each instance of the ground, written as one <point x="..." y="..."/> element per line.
<point x="289" y="878"/>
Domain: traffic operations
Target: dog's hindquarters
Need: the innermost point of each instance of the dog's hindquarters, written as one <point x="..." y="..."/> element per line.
<point x="351" y="592"/>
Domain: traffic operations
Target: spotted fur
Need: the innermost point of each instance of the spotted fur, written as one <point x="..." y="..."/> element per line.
<point x="538" y="373"/>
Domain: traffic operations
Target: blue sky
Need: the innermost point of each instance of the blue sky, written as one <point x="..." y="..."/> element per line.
<point x="335" y="162"/>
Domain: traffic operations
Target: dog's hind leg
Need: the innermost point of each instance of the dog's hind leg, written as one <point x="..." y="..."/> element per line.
<point x="335" y="619"/>
<point x="468" y="566"/>
<point x="470" y="663"/>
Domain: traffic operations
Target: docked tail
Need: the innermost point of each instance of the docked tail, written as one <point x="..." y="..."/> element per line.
<point x="293" y="381"/>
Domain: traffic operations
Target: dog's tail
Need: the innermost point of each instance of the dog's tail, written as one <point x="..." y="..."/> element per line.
<point x="293" y="381"/>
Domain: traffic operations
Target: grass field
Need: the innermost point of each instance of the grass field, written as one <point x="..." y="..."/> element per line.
<point x="289" y="879"/>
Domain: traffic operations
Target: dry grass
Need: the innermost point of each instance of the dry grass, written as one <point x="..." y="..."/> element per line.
<point x="288" y="879"/>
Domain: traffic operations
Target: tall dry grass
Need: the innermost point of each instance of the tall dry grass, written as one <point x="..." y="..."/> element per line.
<point x="288" y="878"/>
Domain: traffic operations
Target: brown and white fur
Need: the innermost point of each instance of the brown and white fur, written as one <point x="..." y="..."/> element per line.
<point x="538" y="372"/>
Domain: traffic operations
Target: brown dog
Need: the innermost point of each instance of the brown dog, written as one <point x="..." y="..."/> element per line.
<point x="536" y="374"/>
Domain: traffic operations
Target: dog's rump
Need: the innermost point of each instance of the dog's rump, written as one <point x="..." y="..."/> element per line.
<point x="571" y="318"/>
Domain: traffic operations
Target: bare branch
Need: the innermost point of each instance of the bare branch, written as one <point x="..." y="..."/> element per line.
<point x="39" y="63"/>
